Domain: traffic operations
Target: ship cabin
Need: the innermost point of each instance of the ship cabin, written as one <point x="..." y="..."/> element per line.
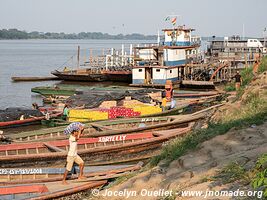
<point x="156" y="64"/>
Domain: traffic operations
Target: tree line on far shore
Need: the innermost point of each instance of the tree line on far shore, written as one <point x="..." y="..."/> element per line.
<point x="18" y="34"/>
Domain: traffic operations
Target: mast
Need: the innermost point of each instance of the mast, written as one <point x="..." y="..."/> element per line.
<point x="243" y="32"/>
<point x="158" y="39"/>
<point x="78" y="58"/>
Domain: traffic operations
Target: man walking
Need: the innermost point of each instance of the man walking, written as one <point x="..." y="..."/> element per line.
<point x="238" y="81"/>
<point x="75" y="130"/>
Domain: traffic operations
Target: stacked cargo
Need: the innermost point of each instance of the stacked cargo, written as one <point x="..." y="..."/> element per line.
<point x="101" y="114"/>
<point x="144" y="109"/>
<point x="130" y="108"/>
<point x="108" y="104"/>
<point x="131" y="103"/>
<point x="147" y="110"/>
<point x="115" y="112"/>
<point x="87" y="115"/>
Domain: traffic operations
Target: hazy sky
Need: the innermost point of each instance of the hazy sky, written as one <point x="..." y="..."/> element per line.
<point x="208" y="17"/>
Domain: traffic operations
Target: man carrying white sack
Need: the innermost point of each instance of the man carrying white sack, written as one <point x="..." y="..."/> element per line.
<point x="75" y="130"/>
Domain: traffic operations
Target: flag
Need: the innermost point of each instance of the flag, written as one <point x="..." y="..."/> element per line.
<point x="167" y="18"/>
<point x="173" y="21"/>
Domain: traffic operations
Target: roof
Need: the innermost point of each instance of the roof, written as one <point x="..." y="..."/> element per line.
<point x="157" y="66"/>
<point x="179" y="29"/>
<point x="169" y="47"/>
<point x="180" y="47"/>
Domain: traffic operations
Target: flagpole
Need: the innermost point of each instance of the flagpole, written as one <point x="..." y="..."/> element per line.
<point x="264" y="31"/>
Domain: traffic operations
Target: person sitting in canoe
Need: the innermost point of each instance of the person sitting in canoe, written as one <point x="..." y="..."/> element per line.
<point x="75" y="130"/>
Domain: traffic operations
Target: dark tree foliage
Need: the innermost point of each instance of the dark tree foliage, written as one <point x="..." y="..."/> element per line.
<point x="17" y="34"/>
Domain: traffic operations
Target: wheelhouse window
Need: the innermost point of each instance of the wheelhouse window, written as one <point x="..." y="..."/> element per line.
<point x="157" y="70"/>
<point x="140" y="70"/>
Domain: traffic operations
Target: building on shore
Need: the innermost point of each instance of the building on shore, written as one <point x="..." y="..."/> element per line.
<point x="238" y="51"/>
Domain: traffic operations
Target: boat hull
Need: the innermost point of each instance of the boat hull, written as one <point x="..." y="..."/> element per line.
<point x="80" y="77"/>
<point x="119" y="76"/>
<point x="115" y="76"/>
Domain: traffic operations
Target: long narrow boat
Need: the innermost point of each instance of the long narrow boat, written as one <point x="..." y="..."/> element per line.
<point x="11" y="176"/>
<point x="112" y="127"/>
<point x="178" y="110"/>
<point x="45" y="183"/>
<point x="81" y="75"/>
<point x="97" y="151"/>
<point x="48" y="91"/>
<point x="24" y="122"/>
<point x="46" y="190"/>
<point x="94" y="75"/>
<point x="30" y="78"/>
<point x="194" y="95"/>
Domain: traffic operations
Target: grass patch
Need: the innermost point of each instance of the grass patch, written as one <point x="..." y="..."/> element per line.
<point x="247" y="75"/>
<point x="122" y="179"/>
<point x="231" y="173"/>
<point x="253" y="104"/>
<point x="229" y="87"/>
<point x="263" y="65"/>
<point x="260" y="178"/>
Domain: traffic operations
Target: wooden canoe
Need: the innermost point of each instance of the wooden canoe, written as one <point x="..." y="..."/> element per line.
<point x="112" y="127"/>
<point x="48" y="91"/>
<point x="98" y="151"/>
<point x="178" y="110"/>
<point x="46" y="190"/>
<point x="31" y="78"/>
<point x="11" y="176"/>
<point x="24" y="122"/>
<point x="194" y="95"/>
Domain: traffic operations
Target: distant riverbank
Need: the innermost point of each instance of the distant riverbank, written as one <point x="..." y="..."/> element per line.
<point x="18" y="34"/>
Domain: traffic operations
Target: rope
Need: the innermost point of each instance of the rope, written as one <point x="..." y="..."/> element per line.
<point x="66" y="62"/>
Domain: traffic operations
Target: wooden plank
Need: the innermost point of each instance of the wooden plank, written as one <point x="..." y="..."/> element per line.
<point x="101" y="127"/>
<point x="53" y="148"/>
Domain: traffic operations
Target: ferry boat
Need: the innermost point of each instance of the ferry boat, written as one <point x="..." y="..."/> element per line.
<point x="157" y="64"/>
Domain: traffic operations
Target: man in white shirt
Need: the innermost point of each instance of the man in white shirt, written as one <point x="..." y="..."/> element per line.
<point x="76" y="131"/>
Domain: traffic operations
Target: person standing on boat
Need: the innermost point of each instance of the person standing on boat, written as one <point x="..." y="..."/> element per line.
<point x="75" y="130"/>
<point x="238" y="80"/>
<point x="65" y="112"/>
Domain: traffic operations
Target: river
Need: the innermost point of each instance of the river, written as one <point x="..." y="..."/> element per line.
<point x="39" y="58"/>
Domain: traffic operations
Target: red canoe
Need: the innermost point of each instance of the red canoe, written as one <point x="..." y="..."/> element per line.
<point x="97" y="151"/>
<point x="33" y="120"/>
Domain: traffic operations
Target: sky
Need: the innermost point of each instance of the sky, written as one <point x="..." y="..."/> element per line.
<point x="208" y="17"/>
